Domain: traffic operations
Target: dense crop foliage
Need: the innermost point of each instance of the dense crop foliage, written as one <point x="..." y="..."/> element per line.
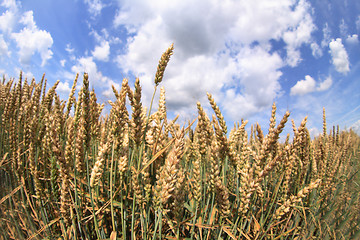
<point x="67" y="171"/>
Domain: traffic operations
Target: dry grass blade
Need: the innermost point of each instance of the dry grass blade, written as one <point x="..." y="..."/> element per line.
<point x="228" y="232"/>
<point x="11" y="194"/>
<point x="158" y="154"/>
<point x="2" y="162"/>
<point x="43" y="228"/>
<point x="205" y="226"/>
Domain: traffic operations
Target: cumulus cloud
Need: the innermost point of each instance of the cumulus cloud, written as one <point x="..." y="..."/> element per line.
<point x="343" y="28"/>
<point x="325" y="85"/>
<point x="63" y="87"/>
<point x="300" y="35"/>
<point x="102" y="52"/>
<point x="309" y="85"/>
<point x="94" y="6"/>
<point x="9" y="4"/>
<point x="326" y="36"/>
<point x="28" y="20"/>
<point x="69" y="49"/>
<point x="314" y="132"/>
<point x="303" y="87"/>
<point x="293" y="57"/>
<point x="258" y="75"/>
<point x="87" y="64"/>
<point x="25" y="74"/>
<point x="4" y="51"/>
<point x="356" y="127"/>
<point x="30" y="39"/>
<point x="108" y="92"/>
<point x="339" y="56"/>
<point x="225" y="52"/>
<point x="62" y="62"/>
<point x="9" y="18"/>
<point x="316" y="50"/>
<point x="352" y="39"/>
<point x="7" y="21"/>
<point x="96" y="78"/>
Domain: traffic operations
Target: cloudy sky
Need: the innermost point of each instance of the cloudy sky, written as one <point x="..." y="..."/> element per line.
<point x="303" y="55"/>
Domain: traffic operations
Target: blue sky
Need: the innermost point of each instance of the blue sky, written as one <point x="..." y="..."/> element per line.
<point x="303" y="55"/>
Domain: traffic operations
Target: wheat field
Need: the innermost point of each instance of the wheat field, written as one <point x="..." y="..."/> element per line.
<point x="69" y="171"/>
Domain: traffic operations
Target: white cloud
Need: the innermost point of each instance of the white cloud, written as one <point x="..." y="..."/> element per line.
<point x="9" y="4"/>
<point x="339" y="56"/>
<point x="309" y="85"/>
<point x="28" y="20"/>
<point x="326" y="36"/>
<point x="98" y="38"/>
<point x="303" y="87"/>
<point x="103" y="35"/>
<point x="62" y="62"/>
<point x="258" y="75"/>
<point x="102" y="51"/>
<point x="96" y="78"/>
<point x="300" y="35"/>
<point x="95" y="6"/>
<point x="316" y="50"/>
<point x="108" y="92"/>
<point x="25" y="74"/>
<point x="63" y="87"/>
<point x="262" y="20"/>
<point x="7" y="21"/>
<point x="352" y="39"/>
<point x="4" y="51"/>
<point x="69" y="49"/>
<point x="87" y="64"/>
<point x="356" y="127"/>
<point x="214" y="52"/>
<point x="314" y="132"/>
<point x="343" y="28"/>
<point x="31" y="41"/>
<point x="325" y="85"/>
<point x="293" y="56"/>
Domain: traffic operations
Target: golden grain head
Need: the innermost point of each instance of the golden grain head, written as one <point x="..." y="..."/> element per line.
<point x="163" y="63"/>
